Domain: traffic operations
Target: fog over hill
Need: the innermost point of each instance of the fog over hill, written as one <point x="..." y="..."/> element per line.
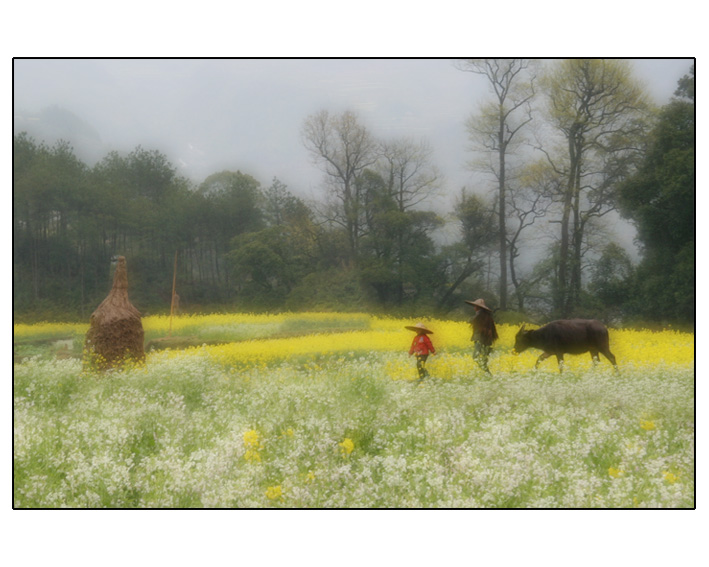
<point x="53" y="123"/>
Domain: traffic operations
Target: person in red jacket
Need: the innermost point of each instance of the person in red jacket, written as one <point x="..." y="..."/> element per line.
<point x="421" y="347"/>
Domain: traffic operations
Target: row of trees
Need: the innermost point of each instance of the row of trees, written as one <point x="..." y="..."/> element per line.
<point x="237" y="243"/>
<point x="566" y="145"/>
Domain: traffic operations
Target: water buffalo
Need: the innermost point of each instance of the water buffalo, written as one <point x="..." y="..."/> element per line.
<point x="566" y="336"/>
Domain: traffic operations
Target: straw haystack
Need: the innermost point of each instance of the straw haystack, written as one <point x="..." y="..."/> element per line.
<point x="115" y="332"/>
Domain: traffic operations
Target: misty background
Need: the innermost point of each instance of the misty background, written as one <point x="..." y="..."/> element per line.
<point x="209" y="115"/>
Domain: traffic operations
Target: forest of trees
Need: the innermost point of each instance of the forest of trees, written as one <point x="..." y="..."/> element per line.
<point x="563" y="146"/>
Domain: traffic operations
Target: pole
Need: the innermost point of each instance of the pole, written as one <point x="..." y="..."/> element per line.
<point x="172" y="301"/>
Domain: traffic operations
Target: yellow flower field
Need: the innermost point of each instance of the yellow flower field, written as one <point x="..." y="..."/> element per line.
<point x="451" y="339"/>
<point x="24" y="331"/>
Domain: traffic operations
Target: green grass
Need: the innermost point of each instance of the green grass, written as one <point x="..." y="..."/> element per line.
<point x="223" y="332"/>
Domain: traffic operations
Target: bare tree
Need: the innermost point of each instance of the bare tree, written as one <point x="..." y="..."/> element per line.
<point x="342" y="148"/>
<point x="406" y="167"/>
<point x="529" y="200"/>
<point x="496" y="129"/>
<point x="598" y="109"/>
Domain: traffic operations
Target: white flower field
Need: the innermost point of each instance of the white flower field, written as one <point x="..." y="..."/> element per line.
<point x="349" y="431"/>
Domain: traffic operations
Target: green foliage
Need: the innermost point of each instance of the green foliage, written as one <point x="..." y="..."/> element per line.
<point x="267" y="264"/>
<point x="686" y="88"/>
<point x="460" y="265"/>
<point x="330" y="290"/>
<point x="235" y="200"/>
<point x="610" y="288"/>
<point x="660" y="198"/>
<point x="398" y="254"/>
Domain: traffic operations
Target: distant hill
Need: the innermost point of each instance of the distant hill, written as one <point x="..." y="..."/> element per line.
<point x="55" y="123"/>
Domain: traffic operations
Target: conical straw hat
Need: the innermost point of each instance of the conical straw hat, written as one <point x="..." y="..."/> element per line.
<point x="479" y="303"/>
<point x="419" y="327"/>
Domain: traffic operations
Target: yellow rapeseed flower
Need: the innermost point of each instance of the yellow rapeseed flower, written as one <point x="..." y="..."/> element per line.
<point x="670" y="477"/>
<point x="346" y="447"/>
<point x="252" y="456"/>
<point x="26" y="331"/>
<point x="615" y="473"/>
<point x="251" y="439"/>
<point x="274" y="492"/>
<point x="647" y="425"/>
<point x="253" y="446"/>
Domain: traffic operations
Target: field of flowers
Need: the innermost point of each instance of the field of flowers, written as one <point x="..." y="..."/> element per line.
<point x="323" y="410"/>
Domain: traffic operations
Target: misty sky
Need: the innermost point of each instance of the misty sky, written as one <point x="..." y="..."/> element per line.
<point x="209" y="115"/>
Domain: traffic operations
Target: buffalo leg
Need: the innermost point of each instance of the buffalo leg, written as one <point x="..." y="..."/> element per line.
<point x="560" y="362"/>
<point x="594" y="357"/>
<point x="610" y="356"/>
<point x="542" y="356"/>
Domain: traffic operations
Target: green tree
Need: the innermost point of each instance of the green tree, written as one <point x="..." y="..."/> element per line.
<point x="660" y="199"/>
<point x="235" y="206"/>
<point x="47" y="189"/>
<point x="468" y="257"/>
<point x="610" y="288"/>
<point x="142" y="205"/>
<point x="403" y="179"/>
<point x="397" y="251"/>
<point x="268" y="264"/>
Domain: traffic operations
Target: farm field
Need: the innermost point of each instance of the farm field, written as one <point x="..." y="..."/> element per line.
<point x="322" y="410"/>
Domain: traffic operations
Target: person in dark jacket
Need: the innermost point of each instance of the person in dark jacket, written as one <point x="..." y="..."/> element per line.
<point x="484" y="332"/>
<point x="421" y="347"/>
